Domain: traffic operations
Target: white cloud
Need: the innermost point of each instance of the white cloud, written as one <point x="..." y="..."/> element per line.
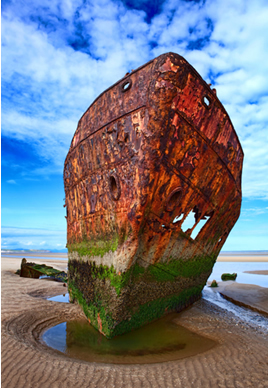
<point x="58" y="56"/>
<point x="254" y="211"/>
<point x="28" y="243"/>
<point x="13" y="182"/>
<point x="33" y="238"/>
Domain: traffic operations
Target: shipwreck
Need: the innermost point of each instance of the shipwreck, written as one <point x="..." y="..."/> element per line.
<point x="153" y="159"/>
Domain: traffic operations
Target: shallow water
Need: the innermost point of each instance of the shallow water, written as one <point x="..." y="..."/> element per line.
<point x="160" y="341"/>
<point x="61" y="298"/>
<point x="245" y="315"/>
<point x="239" y="268"/>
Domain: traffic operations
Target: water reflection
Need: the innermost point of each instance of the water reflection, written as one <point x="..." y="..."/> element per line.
<point x="160" y="341"/>
<point x="61" y="298"/>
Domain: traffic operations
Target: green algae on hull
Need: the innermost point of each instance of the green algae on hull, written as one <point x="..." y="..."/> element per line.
<point x="101" y="317"/>
<point x="92" y="249"/>
<point x="115" y="303"/>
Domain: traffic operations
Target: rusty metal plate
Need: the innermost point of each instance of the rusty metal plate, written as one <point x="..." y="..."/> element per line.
<point x="153" y="150"/>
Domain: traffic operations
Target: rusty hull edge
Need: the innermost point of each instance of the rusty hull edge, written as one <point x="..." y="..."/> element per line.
<point x="125" y="182"/>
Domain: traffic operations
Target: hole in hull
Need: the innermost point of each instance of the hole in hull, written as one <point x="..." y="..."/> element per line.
<point x="177" y="219"/>
<point x="189" y="222"/>
<point x="126" y="85"/>
<point x="198" y="227"/>
<point x="206" y="101"/>
<point x="192" y="219"/>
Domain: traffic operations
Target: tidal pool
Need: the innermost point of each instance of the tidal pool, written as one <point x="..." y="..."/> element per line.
<point x="60" y="298"/>
<point x="160" y="341"/>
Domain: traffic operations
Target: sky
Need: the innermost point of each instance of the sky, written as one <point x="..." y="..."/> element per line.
<point x="58" y="56"/>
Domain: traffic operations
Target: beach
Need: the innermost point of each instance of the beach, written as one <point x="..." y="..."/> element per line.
<point x="239" y="358"/>
<point x="242" y="257"/>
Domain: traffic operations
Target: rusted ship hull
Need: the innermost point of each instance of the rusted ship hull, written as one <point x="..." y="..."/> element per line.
<point x="153" y="150"/>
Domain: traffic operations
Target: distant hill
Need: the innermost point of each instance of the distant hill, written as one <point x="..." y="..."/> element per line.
<point x="32" y="251"/>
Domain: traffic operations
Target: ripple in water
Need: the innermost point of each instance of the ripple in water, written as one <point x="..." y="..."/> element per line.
<point x="160" y="341"/>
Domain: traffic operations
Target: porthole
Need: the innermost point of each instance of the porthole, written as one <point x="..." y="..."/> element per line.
<point x="126" y="85"/>
<point x="173" y="199"/>
<point x="114" y="186"/>
<point x="206" y="101"/>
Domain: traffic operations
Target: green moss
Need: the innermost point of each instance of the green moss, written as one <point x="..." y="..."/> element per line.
<point x="94" y="248"/>
<point x="157" y="308"/>
<point x="51" y="272"/>
<point x="145" y="313"/>
<point x="137" y="271"/>
<point x="163" y="272"/>
<point x="214" y="284"/>
<point x="153" y="273"/>
<point x="47" y="270"/>
<point x="118" y="281"/>
<point x="228" y="276"/>
<point x="94" y="301"/>
<point x="92" y="311"/>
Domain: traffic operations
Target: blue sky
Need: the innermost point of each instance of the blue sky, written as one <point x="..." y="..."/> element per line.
<point x="57" y="56"/>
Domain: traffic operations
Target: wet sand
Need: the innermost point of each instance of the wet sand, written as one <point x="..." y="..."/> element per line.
<point x="250" y="296"/>
<point x="261" y="272"/>
<point x="239" y="359"/>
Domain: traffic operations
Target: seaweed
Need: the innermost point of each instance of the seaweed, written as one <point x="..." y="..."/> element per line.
<point x="228" y="276"/>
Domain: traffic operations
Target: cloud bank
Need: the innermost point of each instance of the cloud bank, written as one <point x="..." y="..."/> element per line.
<point x="19" y="238"/>
<point x="58" y="56"/>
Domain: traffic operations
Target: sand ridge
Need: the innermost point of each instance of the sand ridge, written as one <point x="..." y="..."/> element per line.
<point x="239" y="360"/>
<point x="261" y="272"/>
<point x="251" y="296"/>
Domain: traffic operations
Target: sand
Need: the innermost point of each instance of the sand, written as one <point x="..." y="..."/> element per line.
<point x="239" y="359"/>
<point x="261" y="272"/>
<point x="242" y="258"/>
<point x="250" y="296"/>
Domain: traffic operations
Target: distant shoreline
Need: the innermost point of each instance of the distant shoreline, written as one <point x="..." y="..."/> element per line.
<point x="225" y="256"/>
<point x="240" y="256"/>
<point x="242" y="253"/>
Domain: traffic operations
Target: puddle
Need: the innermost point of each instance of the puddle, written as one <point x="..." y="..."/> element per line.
<point x="61" y="298"/>
<point x="160" y="341"/>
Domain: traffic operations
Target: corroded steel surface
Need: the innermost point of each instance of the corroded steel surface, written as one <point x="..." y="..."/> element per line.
<point x="156" y="147"/>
